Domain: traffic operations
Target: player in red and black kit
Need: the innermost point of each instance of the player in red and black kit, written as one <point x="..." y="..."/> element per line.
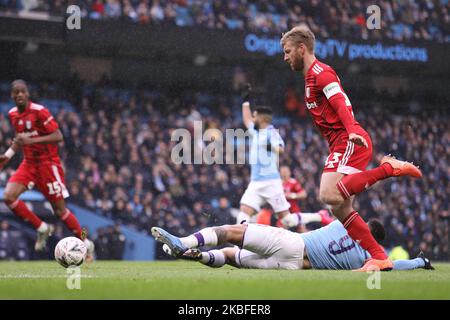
<point x="350" y="145"/>
<point x="37" y="134"/>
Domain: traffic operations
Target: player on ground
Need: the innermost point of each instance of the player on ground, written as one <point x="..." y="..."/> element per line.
<point x="350" y="145"/>
<point x="266" y="247"/>
<point x="38" y="134"/>
<point x="265" y="147"/>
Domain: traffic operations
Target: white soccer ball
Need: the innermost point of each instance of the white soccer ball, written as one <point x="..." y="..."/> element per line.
<point x="70" y="251"/>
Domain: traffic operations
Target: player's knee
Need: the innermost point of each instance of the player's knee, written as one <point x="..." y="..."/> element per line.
<point x="230" y="233"/>
<point x="222" y="233"/>
<point x="59" y="212"/>
<point x="330" y="198"/>
<point x="246" y="209"/>
<point x="9" y="197"/>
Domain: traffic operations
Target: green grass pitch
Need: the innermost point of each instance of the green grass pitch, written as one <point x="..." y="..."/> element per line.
<point x="190" y="280"/>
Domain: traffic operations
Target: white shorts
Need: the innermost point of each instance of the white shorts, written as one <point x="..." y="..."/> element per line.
<point x="260" y="192"/>
<point x="266" y="247"/>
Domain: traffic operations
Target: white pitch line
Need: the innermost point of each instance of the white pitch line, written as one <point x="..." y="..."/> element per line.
<point x="34" y="276"/>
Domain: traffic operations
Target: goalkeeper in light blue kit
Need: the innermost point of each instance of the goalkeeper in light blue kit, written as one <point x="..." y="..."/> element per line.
<point x="265" y="247"/>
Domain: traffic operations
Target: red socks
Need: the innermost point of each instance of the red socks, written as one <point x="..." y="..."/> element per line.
<point x="358" y="182"/>
<point x="20" y="209"/>
<point x="359" y="231"/>
<point x="71" y="222"/>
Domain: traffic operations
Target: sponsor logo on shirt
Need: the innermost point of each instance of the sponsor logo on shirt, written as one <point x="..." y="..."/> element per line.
<point x="311" y="105"/>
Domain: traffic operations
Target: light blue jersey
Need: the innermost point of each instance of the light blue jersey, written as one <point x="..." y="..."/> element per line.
<point x="331" y="247"/>
<point x="264" y="164"/>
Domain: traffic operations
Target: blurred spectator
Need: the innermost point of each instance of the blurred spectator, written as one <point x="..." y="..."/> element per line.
<point x="401" y="20"/>
<point x="13" y="243"/>
<point x="109" y="243"/>
<point x="5" y="241"/>
<point x="117" y="240"/>
<point x="222" y="215"/>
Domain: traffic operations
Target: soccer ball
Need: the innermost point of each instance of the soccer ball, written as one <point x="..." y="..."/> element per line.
<point x="70" y="251"/>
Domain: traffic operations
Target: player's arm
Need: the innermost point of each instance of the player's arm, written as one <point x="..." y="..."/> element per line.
<point x="13" y="149"/>
<point x="246" y="111"/>
<point x="22" y="139"/>
<point x="298" y="194"/>
<point x="275" y="148"/>
<point x="4" y="158"/>
<point x="339" y="102"/>
<point x="276" y="143"/>
<point x="48" y="128"/>
<point x="247" y="114"/>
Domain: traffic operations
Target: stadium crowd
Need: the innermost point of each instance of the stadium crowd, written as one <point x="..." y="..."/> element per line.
<point x="401" y="20"/>
<point x="118" y="161"/>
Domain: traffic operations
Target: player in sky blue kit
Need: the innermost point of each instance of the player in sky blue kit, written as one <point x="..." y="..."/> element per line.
<point x="265" y="247"/>
<point x="265" y="185"/>
<point x="266" y="145"/>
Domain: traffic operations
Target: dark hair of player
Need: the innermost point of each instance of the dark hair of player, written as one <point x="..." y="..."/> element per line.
<point x="264" y="110"/>
<point x="18" y="81"/>
<point x="377" y="229"/>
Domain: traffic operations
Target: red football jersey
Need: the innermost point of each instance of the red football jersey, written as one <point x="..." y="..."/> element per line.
<point x="292" y="186"/>
<point x="36" y="121"/>
<point x="323" y="90"/>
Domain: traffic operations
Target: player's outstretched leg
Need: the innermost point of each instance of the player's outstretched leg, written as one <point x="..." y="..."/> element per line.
<point x="68" y="218"/>
<point x="211" y="258"/>
<point x="421" y="262"/>
<point x="356" y="227"/>
<point x="177" y="248"/>
<point x="427" y="263"/>
<point x="71" y="222"/>
<point x="389" y="167"/>
<point x="246" y="214"/>
<point x="208" y="237"/>
<point x="294" y="219"/>
<point x="19" y="208"/>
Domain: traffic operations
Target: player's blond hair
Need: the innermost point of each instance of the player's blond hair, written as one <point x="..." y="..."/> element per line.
<point x="299" y="34"/>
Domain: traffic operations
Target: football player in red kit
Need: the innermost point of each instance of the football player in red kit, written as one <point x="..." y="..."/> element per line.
<point x="292" y="189"/>
<point x="350" y="146"/>
<point x="37" y="134"/>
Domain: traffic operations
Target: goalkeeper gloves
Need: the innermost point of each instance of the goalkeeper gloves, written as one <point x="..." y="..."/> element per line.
<point x="245" y="92"/>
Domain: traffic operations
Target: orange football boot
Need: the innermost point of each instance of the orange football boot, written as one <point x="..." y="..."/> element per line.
<point x="376" y="265"/>
<point x="402" y="168"/>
